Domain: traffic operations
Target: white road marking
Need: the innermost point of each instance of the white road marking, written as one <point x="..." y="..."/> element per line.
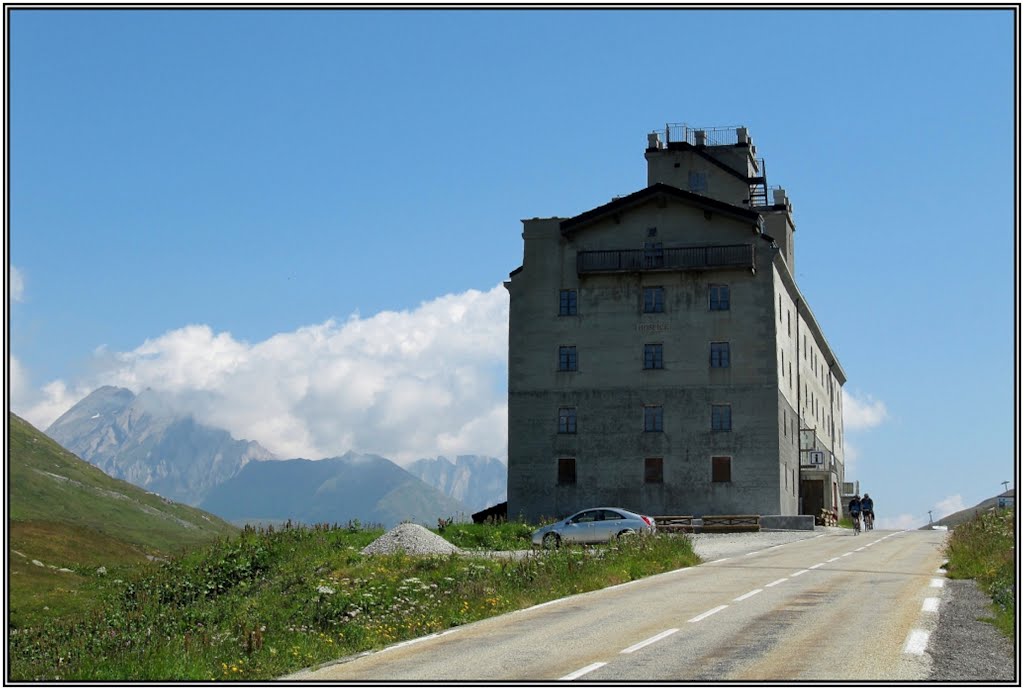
<point x="777" y="582"/>
<point x="940" y="571"/>
<point x="748" y="594"/>
<point x="649" y="640"/>
<point x="584" y="671"/>
<point x="799" y="572"/>
<point x="848" y="553"/>
<point x="931" y="604"/>
<point x="937" y="582"/>
<point x="833" y="560"/>
<point x="917" y="642"/>
<point x="719" y="560"/>
<point x="860" y="549"/>
<point x="816" y="565"/>
<point x="753" y="553"/>
<point x="704" y="615"/>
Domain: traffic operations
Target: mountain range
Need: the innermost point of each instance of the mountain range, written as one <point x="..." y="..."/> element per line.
<point x="145" y="440"/>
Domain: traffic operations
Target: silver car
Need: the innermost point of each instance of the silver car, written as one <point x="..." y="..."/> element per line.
<point x="593" y="526"/>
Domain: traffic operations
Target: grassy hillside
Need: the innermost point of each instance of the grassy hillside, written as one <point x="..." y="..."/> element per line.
<point x="271" y="602"/>
<point x="67" y="519"/>
<point x="982" y="549"/>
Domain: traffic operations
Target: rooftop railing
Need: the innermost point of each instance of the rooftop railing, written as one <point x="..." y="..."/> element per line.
<point x="666" y="259"/>
<point x="702" y="136"/>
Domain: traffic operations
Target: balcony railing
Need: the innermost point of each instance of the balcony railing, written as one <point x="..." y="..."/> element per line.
<point x="667" y="259"/>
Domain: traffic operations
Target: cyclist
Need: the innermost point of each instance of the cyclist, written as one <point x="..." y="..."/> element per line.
<point x="855" y="513"/>
<point x="867" y="509"/>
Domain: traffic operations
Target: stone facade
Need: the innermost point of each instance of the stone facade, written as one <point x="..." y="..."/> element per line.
<point x="661" y="357"/>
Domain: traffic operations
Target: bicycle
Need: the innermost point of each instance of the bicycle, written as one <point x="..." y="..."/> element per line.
<point x="856" y="523"/>
<point x="869" y="522"/>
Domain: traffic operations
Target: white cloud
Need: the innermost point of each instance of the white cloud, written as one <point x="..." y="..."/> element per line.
<point x="40" y="407"/>
<point x="948" y="506"/>
<point x="860" y="414"/>
<point x="902" y="521"/>
<point x="17" y="285"/>
<point x="406" y="385"/>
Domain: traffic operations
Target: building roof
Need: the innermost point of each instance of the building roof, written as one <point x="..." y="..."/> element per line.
<point x="644" y="195"/>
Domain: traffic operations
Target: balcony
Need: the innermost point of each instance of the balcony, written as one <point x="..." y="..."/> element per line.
<point x="709" y="257"/>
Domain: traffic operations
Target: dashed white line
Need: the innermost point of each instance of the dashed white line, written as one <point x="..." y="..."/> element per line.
<point x="816" y="565"/>
<point x="704" y="615"/>
<point x="861" y="548"/>
<point x="584" y="671"/>
<point x="718" y="561"/>
<point x="917" y="642"/>
<point x="649" y="640"/>
<point x="777" y="582"/>
<point x="753" y="553"/>
<point x="848" y="553"/>
<point x="930" y="604"/>
<point x="937" y="582"/>
<point x="833" y="560"/>
<point x="799" y="572"/>
<point x="748" y="594"/>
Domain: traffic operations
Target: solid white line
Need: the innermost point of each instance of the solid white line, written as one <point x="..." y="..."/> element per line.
<point x="931" y="604"/>
<point x="753" y="553"/>
<point x="584" y="671"/>
<point x="718" y="561"/>
<point x="917" y="642"/>
<point x="817" y="565"/>
<point x="777" y="582"/>
<point x="833" y="560"/>
<point x="708" y="613"/>
<point x="649" y="640"/>
<point x="937" y="582"/>
<point x="860" y="549"/>
<point x="848" y="553"/>
<point x="748" y="594"/>
<point x="799" y="572"/>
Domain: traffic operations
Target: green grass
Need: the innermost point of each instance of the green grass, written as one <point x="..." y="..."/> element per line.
<point x="982" y="549"/>
<point x="69" y="516"/>
<point x="270" y="602"/>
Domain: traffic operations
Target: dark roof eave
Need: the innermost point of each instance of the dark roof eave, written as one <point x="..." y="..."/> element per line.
<point x="636" y="198"/>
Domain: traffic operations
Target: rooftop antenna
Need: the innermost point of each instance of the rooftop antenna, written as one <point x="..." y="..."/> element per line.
<point x="929" y="517"/>
<point x="1004" y="485"/>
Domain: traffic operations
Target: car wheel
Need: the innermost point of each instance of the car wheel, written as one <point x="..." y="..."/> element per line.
<point x="625" y="534"/>
<point x="551" y="541"/>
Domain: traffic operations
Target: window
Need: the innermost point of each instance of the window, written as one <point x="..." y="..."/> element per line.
<point x="652" y="232"/>
<point x="697" y="181"/>
<point x="719" y="355"/>
<point x="789" y="332"/>
<point x="654" y="255"/>
<point x="567" y="303"/>
<point x="653" y="356"/>
<point x="566" y="470"/>
<point x="567" y="358"/>
<point x="653" y="419"/>
<point x="721" y="417"/>
<point x="567" y="420"/>
<point x="654" y="300"/>
<point x="719" y="298"/>
<point x="780" y="308"/>
<point x="721" y="469"/>
<point x="653" y="471"/>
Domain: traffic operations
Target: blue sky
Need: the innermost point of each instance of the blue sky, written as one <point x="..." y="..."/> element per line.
<point x="299" y="221"/>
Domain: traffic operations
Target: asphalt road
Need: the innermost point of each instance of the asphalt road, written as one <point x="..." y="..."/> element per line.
<point x="831" y="607"/>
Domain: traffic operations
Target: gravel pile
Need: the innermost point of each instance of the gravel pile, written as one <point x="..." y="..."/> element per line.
<point x="411" y="539"/>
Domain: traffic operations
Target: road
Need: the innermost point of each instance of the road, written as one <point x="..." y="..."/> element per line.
<point x="780" y="613"/>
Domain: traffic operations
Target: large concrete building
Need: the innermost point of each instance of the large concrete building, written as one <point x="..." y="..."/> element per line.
<point x="661" y="356"/>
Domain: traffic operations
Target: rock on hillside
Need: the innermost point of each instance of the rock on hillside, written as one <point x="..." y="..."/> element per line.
<point x="142" y="440"/>
<point x="475" y="480"/>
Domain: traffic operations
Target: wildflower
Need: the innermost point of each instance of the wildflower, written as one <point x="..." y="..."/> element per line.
<point x="324" y="589"/>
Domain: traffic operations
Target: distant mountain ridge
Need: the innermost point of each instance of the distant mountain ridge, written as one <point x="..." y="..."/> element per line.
<point x="477" y="481"/>
<point x="367" y="488"/>
<point x="140" y="439"/>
